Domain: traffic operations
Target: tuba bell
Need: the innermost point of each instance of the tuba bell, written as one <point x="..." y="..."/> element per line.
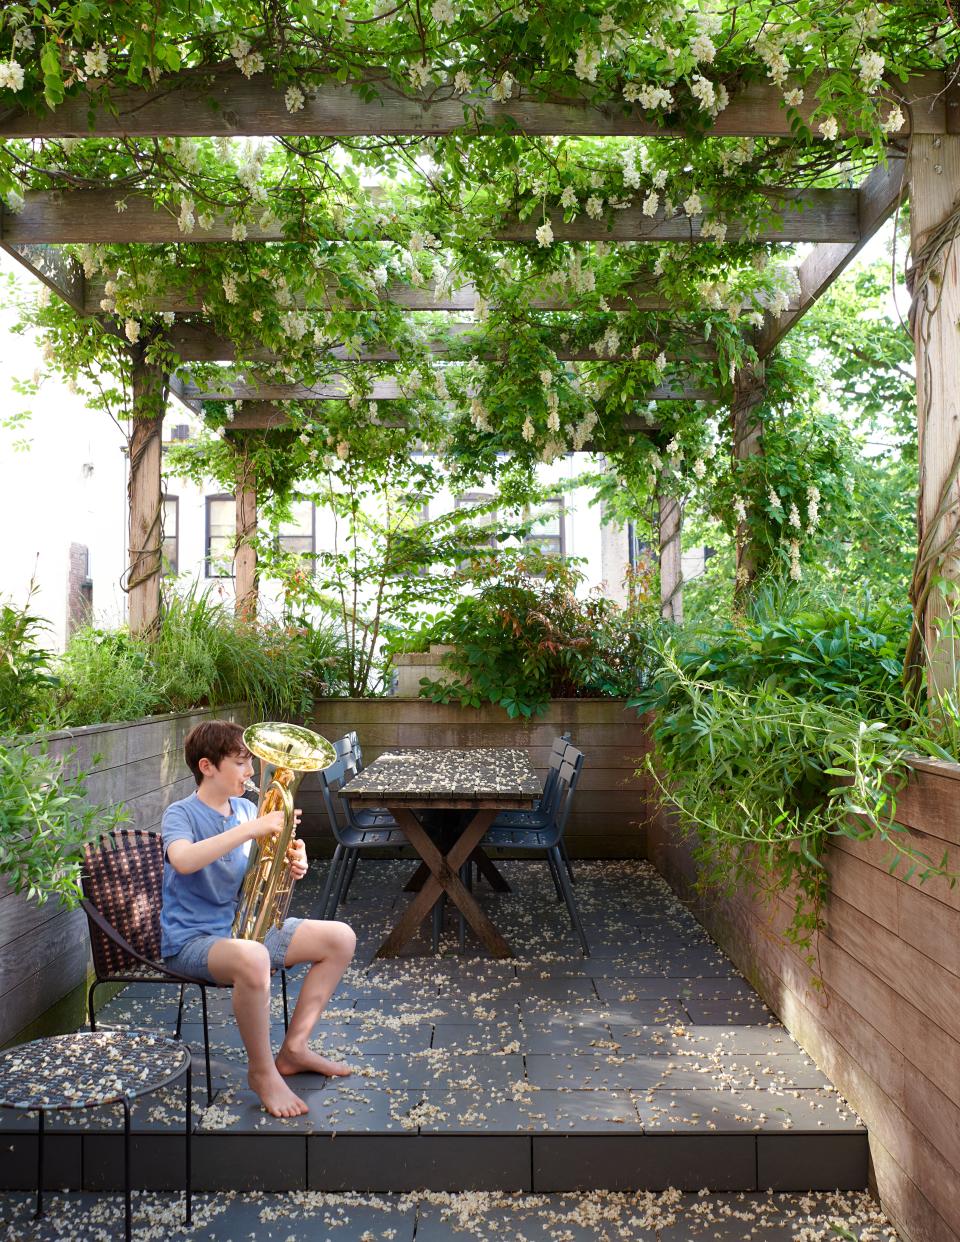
<point x="286" y="752"/>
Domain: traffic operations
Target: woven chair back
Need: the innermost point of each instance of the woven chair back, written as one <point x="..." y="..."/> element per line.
<point x="123" y="878"/>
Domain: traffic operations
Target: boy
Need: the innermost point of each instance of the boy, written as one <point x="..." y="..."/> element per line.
<point x="206" y="842"/>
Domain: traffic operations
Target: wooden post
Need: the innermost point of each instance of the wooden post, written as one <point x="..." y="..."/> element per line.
<point x="748" y="392"/>
<point x="671" y="573"/>
<point x="934" y="279"/>
<point x="245" y="553"/>
<point x="149" y="393"/>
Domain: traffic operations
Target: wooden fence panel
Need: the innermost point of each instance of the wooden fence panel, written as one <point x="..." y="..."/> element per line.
<point x="885" y="1024"/>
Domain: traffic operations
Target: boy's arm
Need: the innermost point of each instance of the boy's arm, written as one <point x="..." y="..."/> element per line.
<point x="185" y="856"/>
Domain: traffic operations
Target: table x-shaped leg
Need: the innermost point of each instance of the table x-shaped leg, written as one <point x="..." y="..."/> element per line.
<point x="444" y="877"/>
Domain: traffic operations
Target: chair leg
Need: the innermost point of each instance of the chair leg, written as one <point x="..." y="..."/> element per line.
<point x="183" y="987"/>
<point x="553" y="875"/>
<point x="566" y="861"/>
<point x="206" y="1043"/>
<point x="90" y="1007"/>
<point x="341" y="889"/>
<point x="328" y="887"/>
<point x="286" y="1009"/>
<point x="569" y="899"/>
<point x="349" y="876"/>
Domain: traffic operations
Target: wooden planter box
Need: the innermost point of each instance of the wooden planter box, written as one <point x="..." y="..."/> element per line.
<point x="886" y="1025"/>
<point x="611" y="807"/>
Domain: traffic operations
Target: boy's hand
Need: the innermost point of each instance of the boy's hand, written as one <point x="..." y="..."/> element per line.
<point x="267" y="825"/>
<point x="297" y="857"/>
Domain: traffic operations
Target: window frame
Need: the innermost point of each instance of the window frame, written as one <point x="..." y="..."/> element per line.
<point x="532" y="540"/>
<point x="173" y="569"/>
<point x="313" y="535"/>
<point x="207" y="568"/>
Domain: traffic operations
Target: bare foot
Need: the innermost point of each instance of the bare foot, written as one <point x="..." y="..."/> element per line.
<point x="275" y="1096"/>
<point x="303" y="1061"/>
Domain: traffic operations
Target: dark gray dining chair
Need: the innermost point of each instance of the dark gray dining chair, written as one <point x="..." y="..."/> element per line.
<point x="546" y="838"/>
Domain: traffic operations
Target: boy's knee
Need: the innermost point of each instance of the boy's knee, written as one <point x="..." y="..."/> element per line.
<point x="345" y="939"/>
<point x="253" y="964"/>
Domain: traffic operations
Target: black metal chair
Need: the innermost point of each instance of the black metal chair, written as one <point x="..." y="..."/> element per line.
<point x="122" y="882"/>
<point x="541" y="816"/>
<point x="353" y="830"/>
<point x="547" y="837"/>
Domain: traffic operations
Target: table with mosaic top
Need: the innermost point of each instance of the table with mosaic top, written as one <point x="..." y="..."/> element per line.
<point x="87" y="1069"/>
<point x="485" y="781"/>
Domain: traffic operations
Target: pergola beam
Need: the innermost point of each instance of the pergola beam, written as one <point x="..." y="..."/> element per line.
<point x="58" y="270"/>
<point x="200" y="343"/>
<point x="91" y="216"/>
<point x="642" y="295"/>
<point x="268" y="416"/>
<point x="337" y="389"/>
<point x="220" y="101"/>
<point x="877" y="199"/>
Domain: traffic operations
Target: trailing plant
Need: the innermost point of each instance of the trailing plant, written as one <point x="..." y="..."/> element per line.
<point x="521" y="636"/>
<point x="45" y="821"/>
<point x="772" y="739"/>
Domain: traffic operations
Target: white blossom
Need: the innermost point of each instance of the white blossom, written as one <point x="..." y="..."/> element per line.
<point x="187" y="219"/>
<point x="294" y="99"/>
<point x="871" y="70"/>
<point x="829" y="128"/>
<point x="132" y="330"/>
<point x="461" y="82"/>
<point x="239" y="232"/>
<point x="419" y="74"/>
<point x="704" y="92"/>
<point x="343" y="450"/>
<point x="569" y="197"/>
<point x="794" y="98"/>
<point x="699" y="468"/>
<point x="660" y="362"/>
<point x="774" y="499"/>
<point x="443" y="13"/>
<point x="546" y="378"/>
<point x="893" y="122"/>
<point x="651" y="203"/>
<point x="95" y="63"/>
<point x="527" y="430"/>
<point x="739" y="509"/>
<point x="692" y="204"/>
<point x="793" y="517"/>
<point x="594" y="207"/>
<point x="11" y="76"/>
<point x="503" y="89"/>
<point x="648" y="96"/>
<point x="230" y="289"/>
<point x="544" y="234"/>
<point x="587" y="62"/>
<point x="702" y="48"/>
<point x="715" y="229"/>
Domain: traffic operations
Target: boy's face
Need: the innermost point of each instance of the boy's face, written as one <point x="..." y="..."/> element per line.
<point x="231" y="775"/>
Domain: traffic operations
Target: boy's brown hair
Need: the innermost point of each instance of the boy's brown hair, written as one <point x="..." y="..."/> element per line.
<point x="213" y="740"/>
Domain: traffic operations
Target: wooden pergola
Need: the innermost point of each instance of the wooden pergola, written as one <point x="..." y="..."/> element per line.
<point x="923" y="164"/>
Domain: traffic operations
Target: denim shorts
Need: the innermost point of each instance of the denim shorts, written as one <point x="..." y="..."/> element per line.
<point x="192" y="958"/>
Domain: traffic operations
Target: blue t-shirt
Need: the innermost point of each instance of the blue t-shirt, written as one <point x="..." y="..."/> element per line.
<point x="204" y="902"/>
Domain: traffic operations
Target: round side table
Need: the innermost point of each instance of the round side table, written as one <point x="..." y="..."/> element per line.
<point x="90" y="1068"/>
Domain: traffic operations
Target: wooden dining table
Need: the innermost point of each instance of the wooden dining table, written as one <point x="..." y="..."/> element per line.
<point x="485" y="781"/>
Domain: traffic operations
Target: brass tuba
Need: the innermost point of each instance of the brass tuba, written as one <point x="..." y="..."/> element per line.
<point x="285" y="752"/>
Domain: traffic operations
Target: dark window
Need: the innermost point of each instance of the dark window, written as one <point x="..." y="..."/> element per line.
<point x="180" y="432"/>
<point x="170" y="546"/>
<point x="548" y="531"/>
<point x="221" y="536"/>
<point x="300" y="533"/>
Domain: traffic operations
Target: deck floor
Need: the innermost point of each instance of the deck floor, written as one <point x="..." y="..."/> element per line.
<point x="649" y="1064"/>
<point x="597" y="1217"/>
